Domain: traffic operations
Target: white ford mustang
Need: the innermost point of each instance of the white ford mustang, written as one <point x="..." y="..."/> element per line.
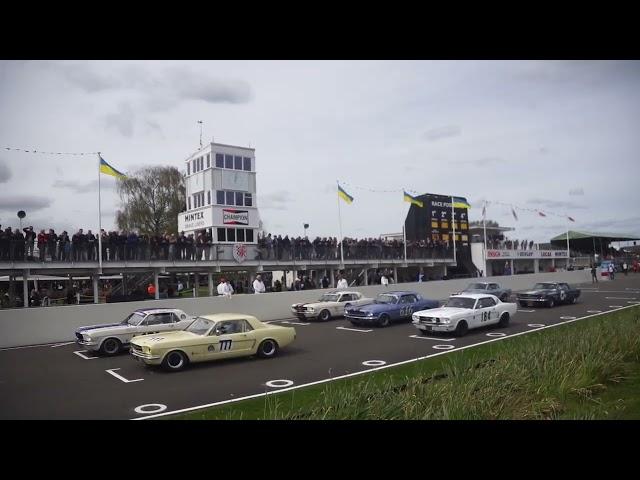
<point x="464" y="312"/>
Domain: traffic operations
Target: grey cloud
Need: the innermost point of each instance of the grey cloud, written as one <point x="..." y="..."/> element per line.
<point x="585" y="72"/>
<point x="623" y="226"/>
<point x="5" y="173"/>
<point x="551" y="204"/>
<point x="543" y="150"/>
<point x="578" y="191"/>
<point x="275" y="201"/>
<point x="82" y="187"/>
<point x="89" y="80"/>
<point x="122" y="121"/>
<point x="192" y="85"/>
<point x="23" y="202"/>
<point x="442" y="132"/>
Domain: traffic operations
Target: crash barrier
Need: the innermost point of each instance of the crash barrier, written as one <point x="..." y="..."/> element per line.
<point x="32" y="326"/>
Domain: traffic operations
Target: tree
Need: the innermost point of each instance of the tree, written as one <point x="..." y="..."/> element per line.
<point x="151" y="199"/>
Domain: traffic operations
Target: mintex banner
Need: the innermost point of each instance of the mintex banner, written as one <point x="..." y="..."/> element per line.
<point x="232" y="216"/>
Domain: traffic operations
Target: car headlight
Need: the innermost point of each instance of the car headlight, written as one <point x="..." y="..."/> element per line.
<point x="146" y="349"/>
<point x="311" y="309"/>
<point x="369" y="314"/>
<point x="415" y="318"/>
<point x="86" y="338"/>
<point x="446" y="321"/>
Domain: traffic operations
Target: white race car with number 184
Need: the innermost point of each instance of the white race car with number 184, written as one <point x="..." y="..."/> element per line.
<point x="464" y="312"/>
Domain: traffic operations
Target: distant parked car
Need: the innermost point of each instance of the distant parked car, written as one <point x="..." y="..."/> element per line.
<point x="464" y="312"/>
<point x="329" y="305"/>
<point x="548" y="294"/>
<point x="111" y="338"/>
<point x="389" y="307"/>
<point x="488" y="288"/>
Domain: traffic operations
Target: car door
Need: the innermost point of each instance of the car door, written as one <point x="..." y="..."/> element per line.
<point x="563" y="292"/>
<point x="359" y="300"/>
<point x="153" y="323"/>
<point x="484" y="312"/>
<point x="338" y="309"/>
<point x="231" y="338"/>
<point x="408" y="305"/>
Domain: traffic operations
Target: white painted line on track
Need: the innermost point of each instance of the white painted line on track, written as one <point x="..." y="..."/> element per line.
<point x="618" y="291"/>
<point x="354" y="329"/>
<point x="111" y="371"/>
<point x="144" y="409"/>
<point x="567" y="318"/>
<point x="294" y="323"/>
<point x="437" y="339"/>
<point x="536" y="325"/>
<point x="615" y="306"/>
<point x="525" y="311"/>
<point x="374" y="363"/>
<point x="28" y="346"/>
<point x="620" y="298"/>
<point x="496" y="334"/>
<point x="594" y="311"/>
<point x="61" y="344"/>
<point x="636" y="302"/>
<point x="443" y="347"/>
<point x="383" y="367"/>
<point x="80" y="354"/>
<point x="279" y="383"/>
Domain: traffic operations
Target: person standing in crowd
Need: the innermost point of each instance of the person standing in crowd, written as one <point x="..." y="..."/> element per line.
<point x="612" y="271"/>
<point x="151" y="290"/>
<point x="342" y="282"/>
<point x="91" y="246"/>
<point x="384" y="280"/>
<point x="42" y="242"/>
<point x="625" y="268"/>
<point x="258" y="285"/>
<point x="173" y="241"/>
<point x="29" y="239"/>
<point x="18" y="245"/>
<point x="325" y="282"/>
<point x="594" y="276"/>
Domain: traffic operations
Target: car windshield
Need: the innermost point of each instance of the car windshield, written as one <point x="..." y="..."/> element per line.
<point x="477" y="286"/>
<point x="385" y="298"/>
<point x="543" y="286"/>
<point x="134" y="319"/>
<point x="329" y="297"/>
<point x="461" y="302"/>
<point x="200" y="326"/>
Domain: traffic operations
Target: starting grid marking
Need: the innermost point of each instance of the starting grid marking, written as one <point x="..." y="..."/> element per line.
<point x="525" y="311"/>
<point x="111" y="371"/>
<point x="420" y="337"/>
<point x="354" y="329"/>
<point x="293" y="323"/>
<point x="80" y="354"/>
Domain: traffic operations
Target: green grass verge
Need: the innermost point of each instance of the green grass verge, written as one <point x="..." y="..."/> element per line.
<point x="588" y="369"/>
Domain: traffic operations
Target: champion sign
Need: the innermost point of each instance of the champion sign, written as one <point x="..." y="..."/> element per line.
<point x="235" y="217"/>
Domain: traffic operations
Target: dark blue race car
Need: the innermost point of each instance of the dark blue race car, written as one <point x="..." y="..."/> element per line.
<point x="389" y="307"/>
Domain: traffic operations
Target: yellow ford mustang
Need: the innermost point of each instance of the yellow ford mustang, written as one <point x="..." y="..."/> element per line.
<point x="212" y="337"/>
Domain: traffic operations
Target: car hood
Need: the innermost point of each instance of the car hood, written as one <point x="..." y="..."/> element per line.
<point x="538" y="292"/>
<point x="375" y="307"/>
<point x="103" y="327"/>
<point x="314" y="304"/>
<point x="164" y="338"/>
<point x="444" y="312"/>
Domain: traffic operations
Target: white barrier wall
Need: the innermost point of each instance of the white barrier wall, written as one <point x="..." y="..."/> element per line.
<point x="32" y="326"/>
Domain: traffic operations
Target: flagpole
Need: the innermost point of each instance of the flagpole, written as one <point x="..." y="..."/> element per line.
<point x="340" y="222"/>
<point x="484" y="227"/>
<point x="568" y="251"/>
<point x="99" y="219"/>
<point x="453" y="222"/>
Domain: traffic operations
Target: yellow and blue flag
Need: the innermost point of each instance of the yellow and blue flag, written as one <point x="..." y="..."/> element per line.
<point x="344" y="195"/>
<point x="109" y="170"/>
<point x="413" y="200"/>
<point x="460" y="202"/>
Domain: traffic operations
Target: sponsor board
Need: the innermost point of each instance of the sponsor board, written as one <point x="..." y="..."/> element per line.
<point x="231" y="216"/>
<point x="532" y="254"/>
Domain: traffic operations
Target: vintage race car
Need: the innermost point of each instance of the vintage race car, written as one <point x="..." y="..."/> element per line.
<point x="389" y="307"/>
<point x="330" y="305"/>
<point x="464" y="312"/>
<point x="111" y="338"/>
<point x="548" y="294"/>
<point x="212" y="337"/>
<point x="487" y="287"/>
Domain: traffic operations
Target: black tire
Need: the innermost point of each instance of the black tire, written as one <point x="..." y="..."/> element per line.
<point x="551" y="303"/>
<point x="174" y="361"/>
<point x="461" y="329"/>
<point x="324" y="315"/>
<point x="110" y="347"/>
<point x="523" y="304"/>
<point x="384" y="320"/>
<point x="573" y="300"/>
<point x="268" y="348"/>
<point x="504" y="320"/>
<point x="425" y="333"/>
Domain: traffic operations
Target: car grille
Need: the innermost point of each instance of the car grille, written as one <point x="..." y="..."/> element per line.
<point x="300" y="308"/>
<point x="137" y="348"/>
<point x="528" y="295"/>
<point x="79" y="336"/>
<point x="357" y="313"/>
<point x="429" y="320"/>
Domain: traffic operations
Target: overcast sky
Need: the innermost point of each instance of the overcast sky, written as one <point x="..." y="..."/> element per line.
<point x="559" y="136"/>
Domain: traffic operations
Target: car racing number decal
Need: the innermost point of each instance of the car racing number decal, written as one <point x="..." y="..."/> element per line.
<point x="406" y="311"/>
<point x="486" y="316"/>
<point x="225" y="345"/>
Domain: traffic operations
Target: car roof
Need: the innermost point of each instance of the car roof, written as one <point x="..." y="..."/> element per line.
<point x="216" y="317"/>
<point x="342" y="291"/>
<point x="400" y="292"/>
<point x="475" y="295"/>
<point x="148" y="311"/>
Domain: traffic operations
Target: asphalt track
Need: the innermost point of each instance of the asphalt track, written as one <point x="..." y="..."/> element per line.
<point x="61" y="382"/>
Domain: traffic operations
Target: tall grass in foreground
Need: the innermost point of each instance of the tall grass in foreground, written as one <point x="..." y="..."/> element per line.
<point x="529" y="377"/>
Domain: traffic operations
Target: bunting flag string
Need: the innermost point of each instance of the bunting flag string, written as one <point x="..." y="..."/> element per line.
<point x="48" y="153"/>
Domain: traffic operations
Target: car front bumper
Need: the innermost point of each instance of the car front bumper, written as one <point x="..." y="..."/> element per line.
<point x="532" y="301"/>
<point x="92" y="346"/>
<point x="304" y="315"/>
<point x="352" y="318"/>
<point x="146" y="357"/>
<point x="438" y="327"/>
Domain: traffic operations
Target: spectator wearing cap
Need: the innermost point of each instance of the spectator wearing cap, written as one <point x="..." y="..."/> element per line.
<point x="29" y="240"/>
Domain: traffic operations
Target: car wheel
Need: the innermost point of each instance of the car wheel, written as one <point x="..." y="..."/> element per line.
<point x="425" y="333"/>
<point x="267" y="349"/>
<point x="504" y="320"/>
<point x="573" y="300"/>
<point x="461" y="329"/>
<point x="384" y="320"/>
<point x="110" y="346"/>
<point x="523" y="304"/>
<point x="174" y="361"/>
<point x="324" y="315"/>
<point x="550" y="303"/>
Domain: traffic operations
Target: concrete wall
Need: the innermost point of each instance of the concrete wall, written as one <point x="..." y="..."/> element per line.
<point x="32" y="326"/>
